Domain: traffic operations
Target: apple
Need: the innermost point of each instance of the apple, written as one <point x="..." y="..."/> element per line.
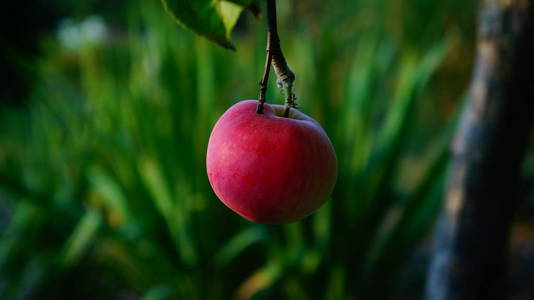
<point x="268" y="168"/>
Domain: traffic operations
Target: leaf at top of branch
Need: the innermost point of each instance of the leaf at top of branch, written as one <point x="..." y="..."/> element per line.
<point x="213" y="19"/>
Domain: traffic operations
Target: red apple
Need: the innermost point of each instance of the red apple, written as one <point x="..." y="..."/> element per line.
<point x="267" y="168"/>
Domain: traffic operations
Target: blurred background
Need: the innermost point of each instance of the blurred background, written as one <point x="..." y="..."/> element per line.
<point x="105" y="113"/>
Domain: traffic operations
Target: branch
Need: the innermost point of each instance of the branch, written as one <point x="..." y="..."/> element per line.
<point x="472" y="236"/>
<point x="285" y="76"/>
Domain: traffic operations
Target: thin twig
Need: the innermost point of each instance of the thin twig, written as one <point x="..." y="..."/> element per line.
<point x="275" y="57"/>
<point x="264" y="80"/>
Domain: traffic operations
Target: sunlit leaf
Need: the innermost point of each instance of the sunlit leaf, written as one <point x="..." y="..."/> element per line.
<point x="111" y="193"/>
<point x="80" y="238"/>
<point x="259" y="280"/>
<point x="239" y="243"/>
<point x="211" y="19"/>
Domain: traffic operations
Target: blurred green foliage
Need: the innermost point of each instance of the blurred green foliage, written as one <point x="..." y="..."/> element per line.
<point x="103" y="173"/>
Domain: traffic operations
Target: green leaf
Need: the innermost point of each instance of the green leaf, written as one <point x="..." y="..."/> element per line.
<point x="154" y="179"/>
<point x="242" y="2"/>
<point x="81" y="237"/>
<point x="158" y="292"/>
<point x="111" y="192"/>
<point x="213" y="19"/>
<point x="239" y="243"/>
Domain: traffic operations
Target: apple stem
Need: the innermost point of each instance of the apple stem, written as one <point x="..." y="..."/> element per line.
<point x="290" y="99"/>
<point x="264" y="79"/>
<point x="285" y="77"/>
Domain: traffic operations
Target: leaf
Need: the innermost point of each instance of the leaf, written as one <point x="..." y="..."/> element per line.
<point x="162" y="194"/>
<point x="260" y="280"/>
<point x="111" y="193"/>
<point x="213" y="19"/>
<point x="239" y="243"/>
<point x="158" y="292"/>
<point x="241" y="2"/>
<point x="81" y="237"/>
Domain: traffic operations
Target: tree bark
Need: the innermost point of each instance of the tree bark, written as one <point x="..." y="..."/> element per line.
<point x="471" y="242"/>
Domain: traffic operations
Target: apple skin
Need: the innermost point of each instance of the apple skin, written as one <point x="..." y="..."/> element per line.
<point x="267" y="168"/>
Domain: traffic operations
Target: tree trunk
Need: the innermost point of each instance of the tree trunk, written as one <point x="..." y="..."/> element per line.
<point x="472" y="235"/>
